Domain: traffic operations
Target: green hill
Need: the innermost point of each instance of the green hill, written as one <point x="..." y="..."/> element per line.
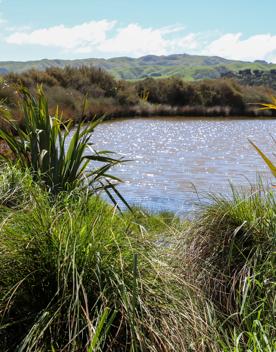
<point x="189" y="67"/>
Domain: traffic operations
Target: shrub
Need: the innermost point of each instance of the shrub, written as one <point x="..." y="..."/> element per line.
<point x="67" y="87"/>
<point x="68" y="101"/>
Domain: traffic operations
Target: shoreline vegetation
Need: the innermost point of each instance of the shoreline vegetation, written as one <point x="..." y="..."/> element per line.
<point x="76" y="274"/>
<point x="150" y="97"/>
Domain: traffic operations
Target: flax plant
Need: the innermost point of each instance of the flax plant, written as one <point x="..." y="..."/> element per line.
<point x="39" y="143"/>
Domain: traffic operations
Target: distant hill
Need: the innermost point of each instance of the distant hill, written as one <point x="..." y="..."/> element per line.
<point x="189" y="67"/>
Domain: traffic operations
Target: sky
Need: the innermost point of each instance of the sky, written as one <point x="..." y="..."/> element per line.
<point x="65" y="29"/>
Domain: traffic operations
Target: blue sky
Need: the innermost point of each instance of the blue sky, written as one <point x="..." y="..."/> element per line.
<point x="31" y="30"/>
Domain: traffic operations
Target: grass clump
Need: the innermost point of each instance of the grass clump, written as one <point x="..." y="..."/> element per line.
<point x="16" y="187"/>
<point x="77" y="276"/>
<point x="230" y="252"/>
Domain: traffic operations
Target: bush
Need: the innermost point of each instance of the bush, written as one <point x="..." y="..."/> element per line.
<point x="67" y="88"/>
<point x="68" y="101"/>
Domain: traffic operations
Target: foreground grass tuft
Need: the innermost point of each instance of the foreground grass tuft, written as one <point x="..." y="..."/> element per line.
<point x="77" y="276"/>
<point x="230" y="252"/>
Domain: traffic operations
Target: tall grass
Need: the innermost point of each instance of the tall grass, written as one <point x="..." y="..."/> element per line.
<point x="76" y="276"/>
<point x="229" y="251"/>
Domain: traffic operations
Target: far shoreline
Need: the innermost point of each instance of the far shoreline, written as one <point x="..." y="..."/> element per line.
<point x="190" y="117"/>
<point x="179" y="117"/>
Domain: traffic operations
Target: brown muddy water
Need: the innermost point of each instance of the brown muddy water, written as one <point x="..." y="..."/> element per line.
<point x="176" y="161"/>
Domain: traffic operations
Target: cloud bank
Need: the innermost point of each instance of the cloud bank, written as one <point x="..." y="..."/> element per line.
<point x="107" y="38"/>
<point x="232" y="46"/>
<point x="76" y="38"/>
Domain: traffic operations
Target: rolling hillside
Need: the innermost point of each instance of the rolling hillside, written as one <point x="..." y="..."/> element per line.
<point x="189" y="67"/>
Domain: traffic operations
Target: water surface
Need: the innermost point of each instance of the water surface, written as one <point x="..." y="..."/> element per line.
<point x="174" y="156"/>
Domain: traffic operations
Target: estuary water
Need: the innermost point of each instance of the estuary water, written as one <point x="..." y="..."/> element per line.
<point x="177" y="161"/>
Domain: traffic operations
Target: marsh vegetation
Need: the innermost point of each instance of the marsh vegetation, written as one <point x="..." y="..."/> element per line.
<point x="107" y="96"/>
<point x="77" y="275"/>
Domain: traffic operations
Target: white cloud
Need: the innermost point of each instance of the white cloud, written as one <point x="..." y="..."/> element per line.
<point x="96" y="36"/>
<point x="106" y="38"/>
<point x="135" y="40"/>
<point x="232" y="46"/>
<point x="188" y="43"/>
<point x="77" y="37"/>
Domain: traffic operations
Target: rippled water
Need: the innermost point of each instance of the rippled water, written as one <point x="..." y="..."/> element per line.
<point x="173" y="156"/>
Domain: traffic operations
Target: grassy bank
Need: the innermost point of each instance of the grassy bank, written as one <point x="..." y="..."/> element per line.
<point x="148" y="97"/>
<point x="77" y="276"/>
